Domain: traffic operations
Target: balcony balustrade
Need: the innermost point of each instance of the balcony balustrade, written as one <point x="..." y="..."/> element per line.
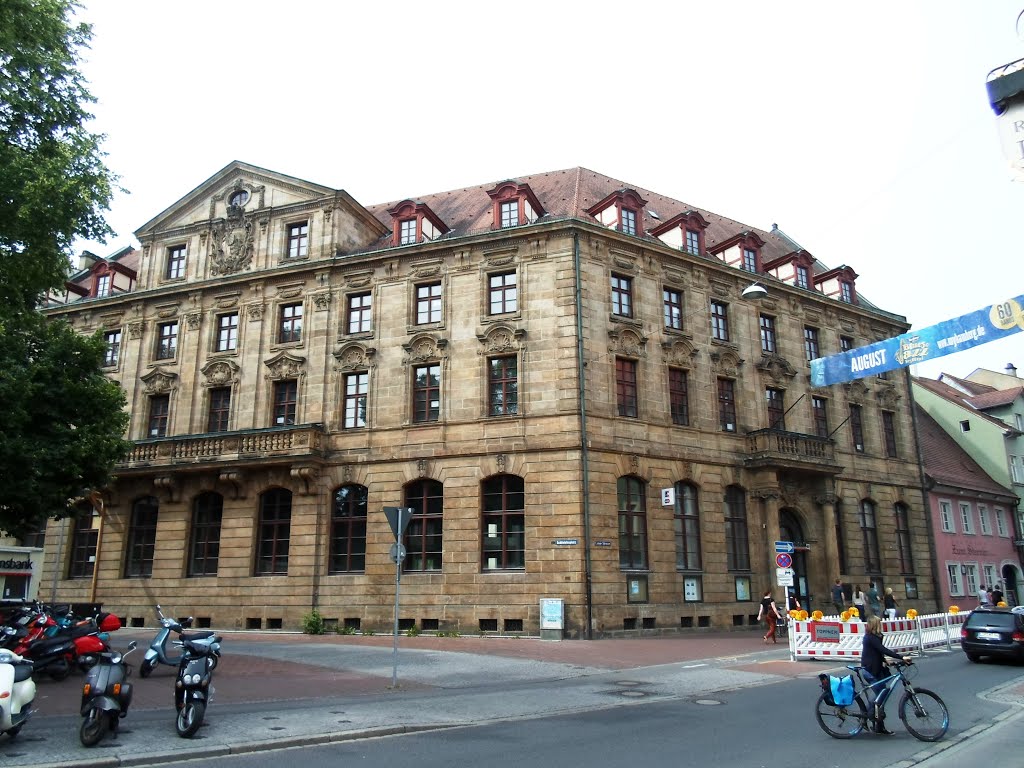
<point x="791" y="450"/>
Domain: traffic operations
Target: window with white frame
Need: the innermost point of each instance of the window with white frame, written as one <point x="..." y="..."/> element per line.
<point x="966" y="517"/>
<point x="984" y="525"/>
<point x="1016" y="469"/>
<point x="1001" y="522"/>
<point x="990" y="574"/>
<point x="946" y="516"/>
<point x="1018" y="419"/>
<point x="953" y="572"/>
<point x="971" y="578"/>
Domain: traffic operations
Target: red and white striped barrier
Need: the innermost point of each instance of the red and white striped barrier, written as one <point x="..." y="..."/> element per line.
<point x="833" y="638"/>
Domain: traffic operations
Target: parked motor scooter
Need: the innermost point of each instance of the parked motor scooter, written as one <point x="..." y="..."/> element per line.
<point x="17" y="691"/>
<point x="193" y="690"/>
<point x="158" y="652"/>
<point x="106" y="696"/>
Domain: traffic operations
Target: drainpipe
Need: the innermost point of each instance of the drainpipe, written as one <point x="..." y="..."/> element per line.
<point x="924" y="491"/>
<point x="584" y="451"/>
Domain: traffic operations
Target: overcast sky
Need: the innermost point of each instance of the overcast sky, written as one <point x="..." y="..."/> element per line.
<point x="863" y="130"/>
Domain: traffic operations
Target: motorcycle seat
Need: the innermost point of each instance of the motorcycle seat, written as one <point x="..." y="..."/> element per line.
<point x="22" y="670"/>
<point x="201" y="634"/>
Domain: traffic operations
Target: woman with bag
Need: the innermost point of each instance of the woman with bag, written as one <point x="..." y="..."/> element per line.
<point x="860" y="603"/>
<point x="890" y="604"/>
<point x="770" y="613"/>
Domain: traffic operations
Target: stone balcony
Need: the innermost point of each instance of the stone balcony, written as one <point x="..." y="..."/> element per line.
<point x="776" y="448"/>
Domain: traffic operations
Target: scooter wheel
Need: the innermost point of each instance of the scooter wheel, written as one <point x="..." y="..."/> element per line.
<point x="93" y="727"/>
<point x="146" y="668"/>
<point x="190" y="717"/>
<point x="59" y="672"/>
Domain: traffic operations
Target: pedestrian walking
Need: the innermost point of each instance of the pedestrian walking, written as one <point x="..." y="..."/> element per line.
<point x="874" y="603"/>
<point x="860" y="602"/>
<point x="769" y="612"/>
<point x="983" y="595"/>
<point x="792" y="601"/>
<point x="891" y="606"/>
<point x="837" y="596"/>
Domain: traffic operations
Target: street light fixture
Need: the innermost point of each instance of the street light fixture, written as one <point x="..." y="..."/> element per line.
<point x="754" y="291"/>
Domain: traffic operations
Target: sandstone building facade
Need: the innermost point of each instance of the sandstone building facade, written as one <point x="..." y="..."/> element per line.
<point x="560" y="374"/>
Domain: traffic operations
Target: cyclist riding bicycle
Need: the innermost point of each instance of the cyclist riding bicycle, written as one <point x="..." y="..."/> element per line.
<point x="872" y="659"/>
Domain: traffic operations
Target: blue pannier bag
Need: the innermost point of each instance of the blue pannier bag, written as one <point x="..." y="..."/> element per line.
<point x="842" y="690"/>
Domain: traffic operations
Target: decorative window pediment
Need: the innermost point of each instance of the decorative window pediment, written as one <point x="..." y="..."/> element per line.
<point x="622" y="210"/>
<point x="220" y="373"/>
<point x="159" y="381"/>
<point x="742" y="251"/>
<point x="413" y="222"/>
<point x="501" y="339"/>
<point x="514" y="204"/>
<point x="726" y="362"/>
<point x="425" y="347"/>
<point x="285" y="366"/>
<point x="775" y="367"/>
<point x="679" y="352"/>
<point x="354" y="357"/>
<point x="627" y="342"/>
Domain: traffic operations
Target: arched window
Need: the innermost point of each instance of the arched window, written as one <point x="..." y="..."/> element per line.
<point x="632" y="523"/>
<point x="274" y="532"/>
<point x="204" y="536"/>
<point x="424" y="540"/>
<point x="687" y="526"/>
<point x="504" y="522"/>
<point x="348" y="530"/>
<point x="141" y="538"/>
<point x="737" y="545"/>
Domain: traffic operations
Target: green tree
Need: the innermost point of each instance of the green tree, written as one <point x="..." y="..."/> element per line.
<point x="61" y="420"/>
<point x="54" y="185"/>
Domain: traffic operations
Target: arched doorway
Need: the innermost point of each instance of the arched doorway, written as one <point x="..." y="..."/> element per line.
<point x="791" y="530"/>
<point x="1011" y="585"/>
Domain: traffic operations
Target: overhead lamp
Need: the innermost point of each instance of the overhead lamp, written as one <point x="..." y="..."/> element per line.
<point x="754" y="291"/>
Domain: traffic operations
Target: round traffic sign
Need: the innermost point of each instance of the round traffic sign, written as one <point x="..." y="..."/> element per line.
<point x="397" y="552"/>
<point x="784" y="560"/>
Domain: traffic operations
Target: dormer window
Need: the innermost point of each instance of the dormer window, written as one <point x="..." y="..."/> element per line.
<point x="742" y="251"/>
<point x="795" y="268"/>
<point x="514" y="204"/>
<point x="415" y="223"/>
<point x="684" y="231"/>
<point x="621" y="210"/>
<point x="838" y="283"/>
<point x="846" y="291"/>
<point x="103" y="285"/>
<point x="803" y="277"/>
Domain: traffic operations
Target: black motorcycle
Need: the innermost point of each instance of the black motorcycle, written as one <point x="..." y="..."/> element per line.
<point x="193" y="690"/>
<point x="106" y="696"/>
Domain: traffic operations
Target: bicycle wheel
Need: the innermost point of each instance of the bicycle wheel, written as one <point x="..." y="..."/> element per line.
<point x="841" y="722"/>
<point x="924" y="714"/>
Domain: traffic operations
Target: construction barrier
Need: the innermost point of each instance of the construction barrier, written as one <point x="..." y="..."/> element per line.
<point x="833" y="638"/>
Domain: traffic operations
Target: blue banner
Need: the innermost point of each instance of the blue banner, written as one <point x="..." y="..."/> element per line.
<point x="945" y="338"/>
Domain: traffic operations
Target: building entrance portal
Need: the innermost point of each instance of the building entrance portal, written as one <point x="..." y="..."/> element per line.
<point x="791" y="530"/>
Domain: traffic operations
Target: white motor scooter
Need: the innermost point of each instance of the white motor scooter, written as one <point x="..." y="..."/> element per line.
<point x="17" y="691"/>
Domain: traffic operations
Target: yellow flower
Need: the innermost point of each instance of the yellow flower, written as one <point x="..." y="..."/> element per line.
<point x="911" y="614"/>
<point x="817" y="615"/>
<point x="1001" y="604"/>
<point x="954" y="609"/>
<point x="845" y="615"/>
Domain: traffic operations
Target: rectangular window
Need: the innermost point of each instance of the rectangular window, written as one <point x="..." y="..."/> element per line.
<point x="719" y="321"/>
<point x="628" y="221"/>
<point x="819" y="414"/>
<point x="220" y="409"/>
<point x="103" y="285"/>
<point x="407" y="232"/>
<point x="159" y="409"/>
<point x="141" y="539"/>
<point x="426" y="393"/>
<point x="1016" y="469"/>
<point x="113" y="350"/>
<point x="503" y="386"/>
<point x="175" y="262"/>
<point x="84" y="536"/>
<point x="679" y="396"/>
<point x="167" y="341"/>
<point x="204" y="541"/>
<point x="428" y="303"/>
<point x="737" y="541"/>
<point x="298" y="240"/>
<point x="803" y="277"/>
<point x="227" y="332"/>
<point x="776" y="408"/>
<point x="504" y="297"/>
<point x="811" y="343"/>
<point x="286" y="401"/>
<point x="673" y="305"/>
<point x="749" y="260"/>
<point x="356" y="388"/>
<point x="1001" y="522"/>
<point x="903" y="544"/>
<point x="857" y="428"/>
<point x="990" y="574"/>
<point x="768" y="343"/>
<point x="946" y="517"/>
<point x="971" y="578"/>
<point x="693" y="242"/>
<point x="869" y="529"/>
<point x="845" y="343"/>
<point x="687" y="528"/>
<point x="275" y="523"/>
<point x="510" y="213"/>
<point x="504" y="523"/>
<point x="290" y="328"/>
<point x="846" y="292"/>
<point x="727" y="405"/>
<point x="953" y="571"/>
<point x="348" y="530"/>
<point x="360" y="313"/>
<point x="889" y="433"/>
<point x="966" y="517"/>
<point x="984" y="525"/>
<point x="622" y="296"/>
<point x="632" y="523"/>
<point x="625" y="387"/>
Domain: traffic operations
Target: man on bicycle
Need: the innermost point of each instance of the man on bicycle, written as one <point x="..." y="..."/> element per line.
<point x="872" y="659"/>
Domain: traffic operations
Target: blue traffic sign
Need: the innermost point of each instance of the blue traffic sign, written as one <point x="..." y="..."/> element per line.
<point x="785" y="546"/>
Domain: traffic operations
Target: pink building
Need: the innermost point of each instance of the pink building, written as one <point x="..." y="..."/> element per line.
<point x="972" y="518"/>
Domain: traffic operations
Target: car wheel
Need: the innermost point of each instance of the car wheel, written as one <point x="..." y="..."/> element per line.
<point x="973" y="657"/>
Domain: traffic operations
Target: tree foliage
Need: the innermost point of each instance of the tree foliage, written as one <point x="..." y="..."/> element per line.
<point x="61" y="419"/>
<point x="54" y="185"/>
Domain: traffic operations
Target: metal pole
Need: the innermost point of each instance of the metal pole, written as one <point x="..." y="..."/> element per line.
<point x="394" y="652"/>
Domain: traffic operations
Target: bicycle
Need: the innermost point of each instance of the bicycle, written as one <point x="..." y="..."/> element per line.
<point x="923" y="712"/>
